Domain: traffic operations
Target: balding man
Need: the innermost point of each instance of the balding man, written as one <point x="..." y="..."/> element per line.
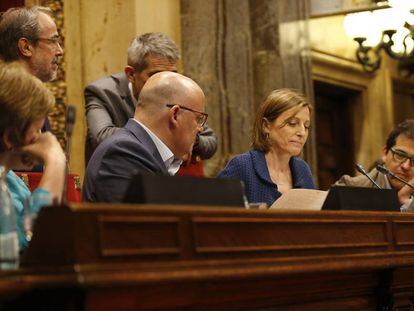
<point x="29" y="35"/>
<point x="111" y="101"/>
<point x="168" y="117"/>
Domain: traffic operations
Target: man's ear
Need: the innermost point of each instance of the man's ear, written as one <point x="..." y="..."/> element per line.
<point x="173" y="116"/>
<point x="129" y="72"/>
<point x="8" y="139"/>
<point x="25" y="47"/>
<point x="384" y="153"/>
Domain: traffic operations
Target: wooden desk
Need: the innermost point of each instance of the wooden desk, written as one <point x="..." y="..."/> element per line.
<point x="106" y="257"/>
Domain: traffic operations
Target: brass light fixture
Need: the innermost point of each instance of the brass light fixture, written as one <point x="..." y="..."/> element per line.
<point x="391" y="30"/>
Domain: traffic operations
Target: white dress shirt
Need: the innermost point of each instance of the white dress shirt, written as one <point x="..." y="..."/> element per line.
<point x="172" y="164"/>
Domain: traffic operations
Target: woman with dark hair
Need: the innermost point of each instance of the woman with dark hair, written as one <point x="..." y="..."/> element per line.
<point x="24" y="104"/>
<point x="273" y="167"/>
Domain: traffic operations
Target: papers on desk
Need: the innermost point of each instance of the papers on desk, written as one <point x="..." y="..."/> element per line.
<point x="301" y="199"/>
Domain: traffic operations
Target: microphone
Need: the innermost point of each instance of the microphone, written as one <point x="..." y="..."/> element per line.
<point x="70" y="121"/>
<point x="361" y="169"/>
<point x="382" y="169"/>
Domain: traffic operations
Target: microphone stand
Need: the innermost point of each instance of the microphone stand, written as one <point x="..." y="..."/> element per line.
<point x="70" y="121"/>
<point x="361" y="169"/>
<point x="382" y="169"/>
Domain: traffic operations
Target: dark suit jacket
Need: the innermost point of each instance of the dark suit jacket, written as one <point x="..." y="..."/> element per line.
<point x="251" y="168"/>
<point x="109" y="105"/>
<point x="130" y="150"/>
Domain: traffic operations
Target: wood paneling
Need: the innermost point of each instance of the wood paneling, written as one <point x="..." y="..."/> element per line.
<point x="125" y="257"/>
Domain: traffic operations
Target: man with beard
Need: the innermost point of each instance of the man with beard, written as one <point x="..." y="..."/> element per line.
<point x="29" y="35"/>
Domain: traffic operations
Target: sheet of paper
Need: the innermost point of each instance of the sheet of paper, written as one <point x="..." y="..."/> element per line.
<point x="301" y="199"/>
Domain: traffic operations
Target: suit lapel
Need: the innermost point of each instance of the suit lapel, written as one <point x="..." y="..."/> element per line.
<point x="122" y="84"/>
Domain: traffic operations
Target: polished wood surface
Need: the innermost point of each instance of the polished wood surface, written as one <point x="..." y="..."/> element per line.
<point x="124" y="257"/>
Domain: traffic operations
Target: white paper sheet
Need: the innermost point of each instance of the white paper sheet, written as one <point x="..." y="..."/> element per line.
<point x="301" y="199"/>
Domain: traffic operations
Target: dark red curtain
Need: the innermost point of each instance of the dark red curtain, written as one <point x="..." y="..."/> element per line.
<point x="6" y="4"/>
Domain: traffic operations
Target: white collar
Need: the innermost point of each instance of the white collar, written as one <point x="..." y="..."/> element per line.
<point x="134" y="100"/>
<point x="167" y="156"/>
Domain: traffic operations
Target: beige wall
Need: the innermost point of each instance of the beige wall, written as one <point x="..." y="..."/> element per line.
<point x="98" y="33"/>
<point x="97" y="36"/>
<point x="159" y="15"/>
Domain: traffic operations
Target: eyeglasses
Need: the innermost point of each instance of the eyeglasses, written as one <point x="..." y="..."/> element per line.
<point x="54" y="40"/>
<point x="400" y="157"/>
<point x="201" y="116"/>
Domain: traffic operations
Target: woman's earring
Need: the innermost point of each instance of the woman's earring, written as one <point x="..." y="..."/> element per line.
<point x="267" y="136"/>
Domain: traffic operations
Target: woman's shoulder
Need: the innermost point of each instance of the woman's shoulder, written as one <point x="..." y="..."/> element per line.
<point x="243" y="157"/>
<point x="302" y="173"/>
<point x="238" y="165"/>
<point x="299" y="163"/>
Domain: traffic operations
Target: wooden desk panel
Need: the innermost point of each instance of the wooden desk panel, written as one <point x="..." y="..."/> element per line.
<point x="124" y="257"/>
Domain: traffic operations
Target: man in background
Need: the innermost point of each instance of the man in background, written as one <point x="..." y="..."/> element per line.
<point x="111" y="101"/>
<point x="29" y="35"/>
<point x="168" y="117"/>
<point x="398" y="158"/>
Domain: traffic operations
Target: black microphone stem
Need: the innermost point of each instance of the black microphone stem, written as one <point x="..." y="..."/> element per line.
<point x="70" y="121"/>
<point x="384" y="170"/>
<point x="361" y="169"/>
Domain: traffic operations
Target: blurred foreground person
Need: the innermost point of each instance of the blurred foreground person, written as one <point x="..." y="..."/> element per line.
<point x="24" y="104"/>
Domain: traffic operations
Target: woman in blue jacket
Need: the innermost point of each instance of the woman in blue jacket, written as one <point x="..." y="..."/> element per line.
<point x="280" y="131"/>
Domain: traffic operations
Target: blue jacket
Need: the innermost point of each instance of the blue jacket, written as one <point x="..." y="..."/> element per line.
<point x="251" y="168"/>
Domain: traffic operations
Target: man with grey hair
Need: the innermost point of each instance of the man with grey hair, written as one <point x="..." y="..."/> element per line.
<point x="111" y="101"/>
<point x="29" y="35"/>
<point x="169" y="115"/>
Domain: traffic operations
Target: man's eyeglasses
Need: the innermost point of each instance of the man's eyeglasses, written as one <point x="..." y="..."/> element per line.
<point x="54" y="40"/>
<point x="201" y="116"/>
<point x="400" y="157"/>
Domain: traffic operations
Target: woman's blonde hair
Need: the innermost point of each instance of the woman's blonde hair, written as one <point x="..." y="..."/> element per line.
<point x="277" y="102"/>
<point x="23" y="99"/>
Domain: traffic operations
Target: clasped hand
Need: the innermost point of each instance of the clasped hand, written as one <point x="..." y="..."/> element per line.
<point x="45" y="149"/>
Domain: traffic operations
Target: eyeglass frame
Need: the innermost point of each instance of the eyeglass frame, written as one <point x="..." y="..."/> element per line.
<point x="205" y="115"/>
<point x="55" y="40"/>
<point x="403" y="155"/>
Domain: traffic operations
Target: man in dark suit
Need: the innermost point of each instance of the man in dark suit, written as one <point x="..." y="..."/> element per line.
<point x="168" y="117"/>
<point x="111" y="101"/>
